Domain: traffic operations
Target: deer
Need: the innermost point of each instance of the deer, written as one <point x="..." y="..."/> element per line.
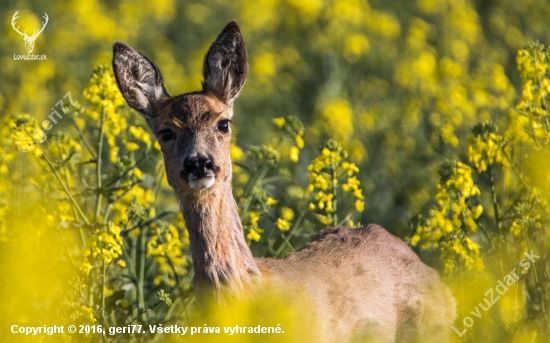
<point x="360" y="282"/>
<point x="29" y="41"/>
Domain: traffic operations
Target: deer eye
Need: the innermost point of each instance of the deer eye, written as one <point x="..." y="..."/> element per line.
<point x="166" y="135"/>
<point x="223" y="125"/>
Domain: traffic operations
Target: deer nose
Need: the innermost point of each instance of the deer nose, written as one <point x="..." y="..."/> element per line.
<point x="198" y="165"/>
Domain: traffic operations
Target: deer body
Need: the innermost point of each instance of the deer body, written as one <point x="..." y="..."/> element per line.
<point x="362" y="283"/>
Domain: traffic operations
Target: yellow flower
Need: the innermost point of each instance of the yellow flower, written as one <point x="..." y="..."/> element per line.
<point x="287" y="213"/>
<point x="254" y="217"/>
<point x="80" y="122"/>
<point x="415" y="239"/>
<point x="236" y="153"/>
<point x="359" y="205"/>
<point x="476" y="212"/>
<point x="279" y="121"/>
<point x="516" y="228"/>
<point x="131" y="146"/>
<point x="299" y="142"/>
<point x="324" y="219"/>
<point x="282" y="224"/>
<point x="271" y="202"/>
<point x="294" y="151"/>
<point x="253" y="235"/>
<point x="135" y="233"/>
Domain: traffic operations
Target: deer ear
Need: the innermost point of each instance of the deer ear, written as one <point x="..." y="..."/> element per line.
<point x="226" y="64"/>
<point x="139" y="80"/>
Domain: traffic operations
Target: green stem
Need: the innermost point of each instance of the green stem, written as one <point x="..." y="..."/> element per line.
<point x="295" y="225"/>
<point x="68" y="182"/>
<point x="334" y="191"/>
<point x="525" y="184"/>
<point x="75" y="211"/>
<point x="494" y="195"/>
<point x="81" y="134"/>
<point x="65" y="245"/>
<point x="257" y="176"/>
<point x="537" y="285"/>
<point x="133" y="262"/>
<point x="543" y="103"/>
<point x="343" y="222"/>
<point x="141" y="280"/>
<point x="103" y="278"/>
<point x="252" y="182"/>
<point x="130" y="262"/>
<point x="91" y="286"/>
<point x="143" y="311"/>
<point x="138" y="162"/>
<point x="58" y="177"/>
<point x="99" y="165"/>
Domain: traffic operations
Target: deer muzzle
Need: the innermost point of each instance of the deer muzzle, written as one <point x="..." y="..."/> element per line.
<point x="199" y="171"/>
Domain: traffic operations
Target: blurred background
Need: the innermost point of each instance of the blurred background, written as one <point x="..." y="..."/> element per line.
<point x="399" y="84"/>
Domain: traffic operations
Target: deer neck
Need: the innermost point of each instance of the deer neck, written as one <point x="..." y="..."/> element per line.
<point x="221" y="258"/>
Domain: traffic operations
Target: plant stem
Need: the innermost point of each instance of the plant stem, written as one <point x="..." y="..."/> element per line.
<point x="334" y="191"/>
<point x="257" y="176"/>
<point x="130" y="262"/>
<point x="81" y="134"/>
<point x="133" y="263"/>
<point x="58" y="177"/>
<point x="99" y="164"/>
<point x="494" y="194"/>
<point x="103" y="277"/>
<point x="141" y="280"/>
<point x="537" y="284"/>
<point x="527" y="187"/>
<point x="295" y="225"/>
<point x="543" y="103"/>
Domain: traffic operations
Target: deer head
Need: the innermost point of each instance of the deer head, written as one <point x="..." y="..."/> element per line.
<point x="29" y="41"/>
<point x="193" y="129"/>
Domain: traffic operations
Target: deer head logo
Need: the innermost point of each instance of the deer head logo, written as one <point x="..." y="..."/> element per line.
<point x="29" y="40"/>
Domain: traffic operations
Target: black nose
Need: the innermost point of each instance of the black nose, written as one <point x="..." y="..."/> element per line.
<point x="199" y="165"/>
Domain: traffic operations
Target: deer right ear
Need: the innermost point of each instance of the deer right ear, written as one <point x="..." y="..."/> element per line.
<point x="139" y="80"/>
<point x="226" y="64"/>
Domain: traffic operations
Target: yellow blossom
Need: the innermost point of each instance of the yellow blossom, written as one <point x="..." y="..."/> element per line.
<point x="271" y="202"/>
<point x="299" y="142"/>
<point x="287" y="213"/>
<point x="294" y="151"/>
<point x="359" y="205"/>
<point x="279" y="121"/>
<point x="282" y="224"/>
<point x="131" y="146"/>
<point x="253" y="235"/>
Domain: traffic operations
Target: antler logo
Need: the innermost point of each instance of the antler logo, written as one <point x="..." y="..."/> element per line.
<point x="29" y="40"/>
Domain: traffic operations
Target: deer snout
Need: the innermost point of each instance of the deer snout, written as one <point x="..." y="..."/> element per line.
<point x="197" y="165"/>
<point x="200" y="171"/>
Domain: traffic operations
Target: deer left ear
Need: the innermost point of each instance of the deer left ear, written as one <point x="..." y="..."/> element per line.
<point x="226" y="64"/>
<point x="139" y="80"/>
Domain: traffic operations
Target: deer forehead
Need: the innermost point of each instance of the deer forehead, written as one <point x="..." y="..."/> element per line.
<point x="192" y="111"/>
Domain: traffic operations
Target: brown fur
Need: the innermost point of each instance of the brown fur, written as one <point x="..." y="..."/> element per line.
<point x="361" y="283"/>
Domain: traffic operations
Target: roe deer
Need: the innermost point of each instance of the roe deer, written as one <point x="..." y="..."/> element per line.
<point x="359" y="281"/>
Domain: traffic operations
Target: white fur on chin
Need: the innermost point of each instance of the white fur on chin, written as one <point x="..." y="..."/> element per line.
<point x="202" y="183"/>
